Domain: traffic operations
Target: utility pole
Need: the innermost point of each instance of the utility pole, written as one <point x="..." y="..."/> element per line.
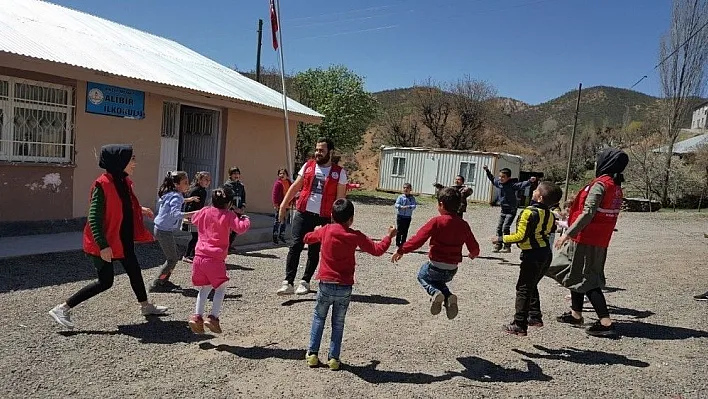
<point x="258" y="54"/>
<point x="572" y="145"/>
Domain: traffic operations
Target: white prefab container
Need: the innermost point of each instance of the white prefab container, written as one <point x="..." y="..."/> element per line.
<point x="423" y="167"/>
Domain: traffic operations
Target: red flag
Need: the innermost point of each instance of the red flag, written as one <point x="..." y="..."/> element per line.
<point x="274" y="24"/>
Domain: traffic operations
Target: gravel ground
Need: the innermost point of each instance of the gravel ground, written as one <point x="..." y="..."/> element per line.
<point x="392" y="346"/>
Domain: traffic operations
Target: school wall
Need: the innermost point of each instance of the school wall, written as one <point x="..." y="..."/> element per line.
<point x="447" y="167"/>
<point x="256" y="145"/>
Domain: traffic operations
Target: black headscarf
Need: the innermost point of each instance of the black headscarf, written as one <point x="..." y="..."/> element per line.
<point x="612" y="161"/>
<point x="115" y="157"/>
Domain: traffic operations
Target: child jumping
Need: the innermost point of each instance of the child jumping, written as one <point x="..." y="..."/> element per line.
<point x="201" y="181"/>
<point x="405" y="205"/>
<point x="168" y="220"/>
<point x="533" y="228"/>
<point x="115" y="223"/>
<point x="214" y="223"/>
<point x="507" y="200"/>
<point x="447" y="233"/>
<point x="336" y="275"/>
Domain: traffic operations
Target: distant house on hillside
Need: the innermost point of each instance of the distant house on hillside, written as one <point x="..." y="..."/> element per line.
<point x="423" y="167"/>
<point x="700" y="117"/>
<point x="687" y="147"/>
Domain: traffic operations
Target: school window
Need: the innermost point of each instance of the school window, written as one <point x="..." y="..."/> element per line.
<point x="467" y="170"/>
<point x="399" y="166"/>
<point x="36" y="121"/>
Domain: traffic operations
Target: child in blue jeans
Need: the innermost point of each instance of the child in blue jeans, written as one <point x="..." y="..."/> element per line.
<point x="336" y="276"/>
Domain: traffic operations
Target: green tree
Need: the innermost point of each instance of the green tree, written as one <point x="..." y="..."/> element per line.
<point x="348" y="109"/>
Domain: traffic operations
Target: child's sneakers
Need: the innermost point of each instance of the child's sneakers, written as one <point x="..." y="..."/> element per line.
<point x="451" y="306"/>
<point x="196" y="323"/>
<point x="312" y="359"/>
<point x="598" y="330"/>
<point x="436" y="303"/>
<point x="334" y="364"/>
<point x="62" y="315"/>
<point x="515" y="329"/>
<point x="212" y="323"/>
<point x="505" y="250"/>
<point x="497" y="248"/>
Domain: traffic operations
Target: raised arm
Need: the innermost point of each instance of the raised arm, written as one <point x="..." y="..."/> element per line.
<point x="491" y="178"/>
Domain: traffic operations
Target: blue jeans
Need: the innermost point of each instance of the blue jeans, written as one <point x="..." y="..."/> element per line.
<point x="337" y="296"/>
<point x="504" y="225"/>
<point x="434" y="279"/>
<point x="279" y="228"/>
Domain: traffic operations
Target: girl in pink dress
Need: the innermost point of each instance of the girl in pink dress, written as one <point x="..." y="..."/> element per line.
<point x="214" y="224"/>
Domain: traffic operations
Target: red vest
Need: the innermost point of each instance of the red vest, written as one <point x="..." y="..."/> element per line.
<point x="329" y="191"/>
<point x="600" y="229"/>
<point x="112" y="218"/>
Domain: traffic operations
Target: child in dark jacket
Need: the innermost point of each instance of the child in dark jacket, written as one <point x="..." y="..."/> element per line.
<point x="507" y="200"/>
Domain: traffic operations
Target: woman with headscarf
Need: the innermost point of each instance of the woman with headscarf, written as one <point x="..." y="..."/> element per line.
<point x="115" y="223"/>
<point x="579" y="265"/>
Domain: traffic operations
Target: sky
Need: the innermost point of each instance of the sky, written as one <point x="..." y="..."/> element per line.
<point x="530" y="50"/>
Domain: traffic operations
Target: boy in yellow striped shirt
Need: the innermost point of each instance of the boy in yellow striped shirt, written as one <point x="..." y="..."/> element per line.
<point x="533" y="228"/>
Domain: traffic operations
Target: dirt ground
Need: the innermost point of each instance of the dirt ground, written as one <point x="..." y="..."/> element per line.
<point x="392" y="346"/>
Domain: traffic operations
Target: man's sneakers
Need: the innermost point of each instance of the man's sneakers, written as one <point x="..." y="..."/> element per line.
<point x="598" y="330"/>
<point x="62" y="315"/>
<point x="150" y="309"/>
<point x="285" y="289"/>
<point x="302" y="288"/>
<point x="701" y="297"/>
<point x="568" y="318"/>
<point x="436" y="303"/>
<point x="515" y="329"/>
<point x="535" y="322"/>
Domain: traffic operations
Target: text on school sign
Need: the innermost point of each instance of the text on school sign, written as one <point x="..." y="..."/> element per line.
<point x="115" y="101"/>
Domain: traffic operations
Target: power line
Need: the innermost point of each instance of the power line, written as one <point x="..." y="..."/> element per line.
<point x="672" y="53"/>
<point x="348" y="32"/>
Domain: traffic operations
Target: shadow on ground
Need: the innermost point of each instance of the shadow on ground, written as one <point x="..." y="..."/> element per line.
<point x="154" y="331"/>
<point x="257" y="352"/>
<point x="582" y="356"/>
<point x="375" y="299"/>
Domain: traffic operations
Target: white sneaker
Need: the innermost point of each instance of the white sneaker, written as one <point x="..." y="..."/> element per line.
<point x="303" y="288"/>
<point x="286" y="289"/>
<point x="153" y="310"/>
<point x="61" y="316"/>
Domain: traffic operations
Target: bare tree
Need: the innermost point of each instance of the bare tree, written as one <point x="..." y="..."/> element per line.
<point x="683" y="54"/>
<point x="434" y="106"/>
<point x="473" y="108"/>
<point x="400" y="128"/>
<point x="643" y="173"/>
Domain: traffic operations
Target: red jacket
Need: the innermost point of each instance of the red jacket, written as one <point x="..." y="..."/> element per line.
<point x="447" y="234"/>
<point x="112" y="218"/>
<point x="329" y="192"/>
<point x="339" y="245"/>
<point x="599" y="232"/>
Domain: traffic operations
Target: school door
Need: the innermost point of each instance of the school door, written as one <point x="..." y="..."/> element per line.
<point x="430" y="174"/>
<point x="169" y="140"/>
<point x="199" y="142"/>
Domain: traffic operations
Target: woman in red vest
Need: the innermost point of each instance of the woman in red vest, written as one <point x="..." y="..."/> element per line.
<point x="580" y="262"/>
<point x="322" y="182"/>
<point x="115" y="223"/>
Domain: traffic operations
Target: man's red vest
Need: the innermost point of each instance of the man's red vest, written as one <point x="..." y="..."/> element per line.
<point x="599" y="232"/>
<point x="329" y="191"/>
<point x="112" y="218"/>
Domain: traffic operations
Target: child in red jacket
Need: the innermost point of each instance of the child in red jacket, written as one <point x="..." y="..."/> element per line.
<point x="336" y="275"/>
<point x="447" y="233"/>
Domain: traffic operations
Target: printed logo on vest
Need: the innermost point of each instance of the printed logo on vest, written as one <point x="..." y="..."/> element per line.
<point x="335" y="175"/>
<point x="309" y="169"/>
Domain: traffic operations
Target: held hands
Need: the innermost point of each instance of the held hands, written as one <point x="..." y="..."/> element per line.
<point x="392" y="231"/>
<point x="107" y="254"/>
<point x="148" y="212"/>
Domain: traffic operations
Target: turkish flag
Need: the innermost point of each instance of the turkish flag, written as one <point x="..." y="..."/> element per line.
<point x="274" y="24"/>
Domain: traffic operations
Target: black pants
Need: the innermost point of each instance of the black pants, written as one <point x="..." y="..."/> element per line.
<point x="303" y="223"/>
<point x="402" y="225"/>
<point x="105" y="279"/>
<point x="534" y="264"/>
<point x="597" y="299"/>
<point x="192" y="245"/>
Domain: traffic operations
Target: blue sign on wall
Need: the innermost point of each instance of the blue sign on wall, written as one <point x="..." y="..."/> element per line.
<point x="115" y="101"/>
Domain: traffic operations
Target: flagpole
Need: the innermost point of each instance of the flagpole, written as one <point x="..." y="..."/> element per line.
<point x="288" y="146"/>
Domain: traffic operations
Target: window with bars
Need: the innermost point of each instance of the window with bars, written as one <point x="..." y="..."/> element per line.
<point x="36" y="121"/>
